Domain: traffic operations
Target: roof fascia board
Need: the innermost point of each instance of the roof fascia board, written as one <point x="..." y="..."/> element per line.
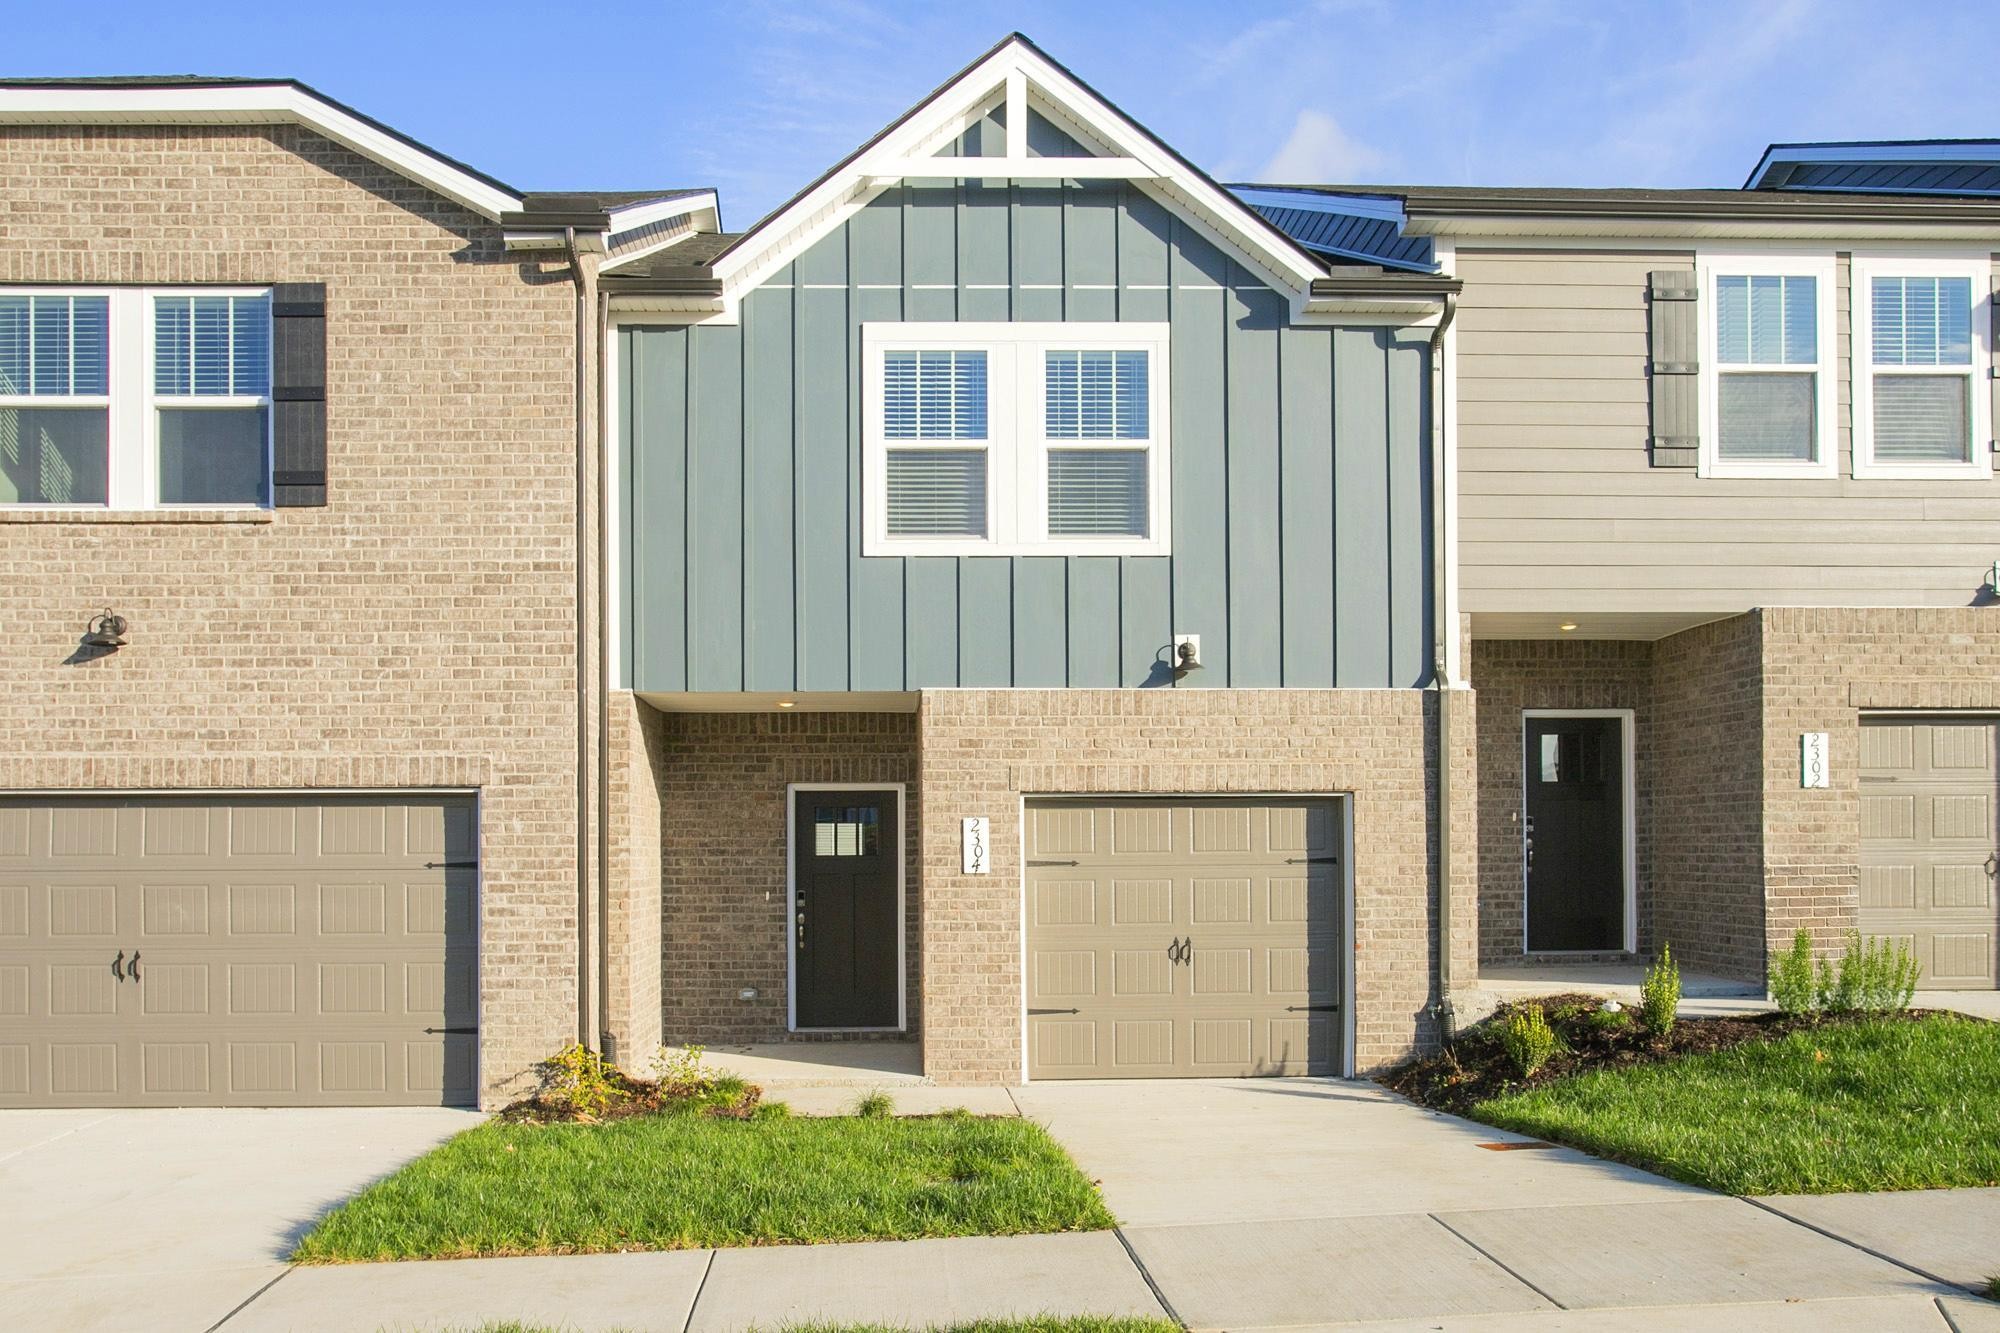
<point x="1568" y="230"/>
<point x="631" y="217"/>
<point x="254" y="104"/>
<point x="1221" y="217"/>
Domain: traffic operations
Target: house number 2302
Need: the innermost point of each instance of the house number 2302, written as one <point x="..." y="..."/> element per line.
<point x="977" y="848"/>
<point x="1813" y="760"/>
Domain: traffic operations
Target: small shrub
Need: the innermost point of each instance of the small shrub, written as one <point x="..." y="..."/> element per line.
<point x="681" y="1068"/>
<point x="1660" y="994"/>
<point x="580" y="1080"/>
<point x="875" y="1106"/>
<point x="1529" y="1040"/>
<point x="1609" y="1020"/>
<point x="1876" y="976"/>
<point x="771" y="1111"/>
<point x="1794" y="985"/>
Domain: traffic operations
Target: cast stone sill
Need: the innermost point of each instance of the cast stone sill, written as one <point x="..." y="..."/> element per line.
<point x="61" y="514"/>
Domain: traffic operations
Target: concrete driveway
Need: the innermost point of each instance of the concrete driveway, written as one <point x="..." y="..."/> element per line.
<point x="172" y="1219"/>
<point x="1311" y="1203"/>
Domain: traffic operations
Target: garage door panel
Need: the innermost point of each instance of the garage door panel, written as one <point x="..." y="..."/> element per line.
<point x="1930" y="847"/>
<point x="295" y="951"/>
<point x="1247" y="883"/>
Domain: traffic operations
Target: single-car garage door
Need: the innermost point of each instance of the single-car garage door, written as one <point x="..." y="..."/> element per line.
<point x="1186" y="937"/>
<point x="237" y="951"/>
<point x="1930" y="799"/>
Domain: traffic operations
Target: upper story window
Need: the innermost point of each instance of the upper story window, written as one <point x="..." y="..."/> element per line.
<point x="1004" y="439"/>
<point x="135" y="399"/>
<point x="1768" y="399"/>
<point x="1919" y="406"/>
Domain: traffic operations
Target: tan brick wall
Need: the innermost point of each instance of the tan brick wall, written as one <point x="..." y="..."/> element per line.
<point x="723" y="787"/>
<point x="420" y="629"/>
<point x="983" y="750"/>
<point x="1706" y="889"/>
<point x="637" y="747"/>
<point x="1821" y="669"/>
<point x="1514" y="675"/>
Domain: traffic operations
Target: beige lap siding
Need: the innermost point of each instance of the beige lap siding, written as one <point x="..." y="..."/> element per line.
<point x="722" y="797"/>
<point x="420" y="629"/>
<point x="983" y="750"/>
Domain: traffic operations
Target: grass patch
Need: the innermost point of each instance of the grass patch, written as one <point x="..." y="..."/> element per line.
<point x="1031" y="1324"/>
<point x="689" y="1181"/>
<point x="1878" y="1104"/>
<point x="1993" y="1287"/>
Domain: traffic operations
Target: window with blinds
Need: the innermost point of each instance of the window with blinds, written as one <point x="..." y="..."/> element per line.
<point x="1920" y="350"/>
<point x="55" y="385"/>
<point x="211" y="391"/>
<point x="1020" y="438"/>
<point x="1768" y="366"/>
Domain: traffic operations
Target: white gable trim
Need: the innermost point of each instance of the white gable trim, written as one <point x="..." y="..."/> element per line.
<point x="254" y="104"/>
<point x="1017" y="74"/>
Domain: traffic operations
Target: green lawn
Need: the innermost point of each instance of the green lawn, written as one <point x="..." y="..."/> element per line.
<point x="1882" y="1105"/>
<point x="683" y="1181"/>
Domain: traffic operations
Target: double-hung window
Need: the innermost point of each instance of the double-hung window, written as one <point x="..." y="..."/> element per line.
<point x="1768" y="398"/>
<point x="1015" y="439"/>
<point x="1920" y="404"/>
<point x="135" y="399"/>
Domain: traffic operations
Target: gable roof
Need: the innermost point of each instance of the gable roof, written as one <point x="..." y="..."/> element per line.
<point x="922" y="144"/>
<point x="199" y="99"/>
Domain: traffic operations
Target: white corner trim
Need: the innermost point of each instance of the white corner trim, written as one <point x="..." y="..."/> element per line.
<point x="1014" y="74"/>
<point x="792" y="790"/>
<point x="255" y="104"/>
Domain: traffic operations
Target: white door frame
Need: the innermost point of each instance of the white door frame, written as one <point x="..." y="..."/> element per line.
<point x="1626" y="743"/>
<point x="1343" y="802"/>
<point x="792" y="790"/>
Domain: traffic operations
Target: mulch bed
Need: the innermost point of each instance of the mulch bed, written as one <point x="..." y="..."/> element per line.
<point x="1476" y="1068"/>
<point x="638" y="1096"/>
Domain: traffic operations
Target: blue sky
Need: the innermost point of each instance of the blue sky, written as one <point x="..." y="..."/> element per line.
<point x="757" y="98"/>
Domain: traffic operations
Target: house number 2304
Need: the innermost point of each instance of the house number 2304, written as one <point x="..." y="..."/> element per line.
<point x="977" y="848"/>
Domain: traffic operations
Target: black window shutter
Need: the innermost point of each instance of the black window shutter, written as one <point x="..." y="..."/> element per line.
<point x="1674" y="370"/>
<point x="298" y="394"/>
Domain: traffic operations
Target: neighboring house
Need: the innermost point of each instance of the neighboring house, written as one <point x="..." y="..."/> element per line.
<point x="1038" y="611"/>
<point x="293" y="397"/>
<point x="1727" y="524"/>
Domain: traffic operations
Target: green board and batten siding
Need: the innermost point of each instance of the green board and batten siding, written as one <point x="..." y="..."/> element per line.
<point x="1300" y="472"/>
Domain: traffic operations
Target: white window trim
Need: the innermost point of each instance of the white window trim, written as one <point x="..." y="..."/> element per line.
<point x="133" y="446"/>
<point x="1871" y="264"/>
<point x="1826" y="445"/>
<point x="1016" y="446"/>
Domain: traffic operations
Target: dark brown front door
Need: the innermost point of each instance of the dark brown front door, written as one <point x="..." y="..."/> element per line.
<point x="1574" y="842"/>
<point x="846" y="851"/>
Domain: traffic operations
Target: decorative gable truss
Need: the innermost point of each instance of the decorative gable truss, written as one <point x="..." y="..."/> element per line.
<point x="1017" y="115"/>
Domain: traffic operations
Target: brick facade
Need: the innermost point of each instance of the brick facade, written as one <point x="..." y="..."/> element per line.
<point x="421" y="629"/>
<point x="722" y="792"/>
<point x="984" y="750"/>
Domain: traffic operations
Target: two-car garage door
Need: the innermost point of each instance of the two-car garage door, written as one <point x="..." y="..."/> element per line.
<point x="1184" y="937"/>
<point x="247" y="951"/>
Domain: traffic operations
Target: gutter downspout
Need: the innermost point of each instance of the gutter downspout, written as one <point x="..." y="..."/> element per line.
<point x="585" y="1012"/>
<point x="603" y="701"/>
<point x="1444" y="624"/>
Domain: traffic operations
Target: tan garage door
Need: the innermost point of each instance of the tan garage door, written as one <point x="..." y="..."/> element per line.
<point x="1183" y="938"/>
<point x="237" y="951"/>
<point x="1930" y="798"/>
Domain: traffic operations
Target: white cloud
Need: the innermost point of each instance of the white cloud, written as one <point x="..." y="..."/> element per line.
<point x="1318" y="151"/>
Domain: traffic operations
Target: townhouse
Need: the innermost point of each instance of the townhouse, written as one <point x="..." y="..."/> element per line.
<point x="1022" y="599"/>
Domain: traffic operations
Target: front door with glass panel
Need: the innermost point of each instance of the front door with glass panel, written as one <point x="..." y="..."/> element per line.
<point x="846" y="850"/>
<point x="1574" y="839"/>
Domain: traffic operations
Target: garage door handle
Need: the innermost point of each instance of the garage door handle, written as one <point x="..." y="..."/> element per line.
<point x="132" y="968"/>
<point x="451" y="1032"/>
<point x="118" y="966"/>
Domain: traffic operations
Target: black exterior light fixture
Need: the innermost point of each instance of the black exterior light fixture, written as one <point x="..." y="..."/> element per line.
<point x="107" y="631"/>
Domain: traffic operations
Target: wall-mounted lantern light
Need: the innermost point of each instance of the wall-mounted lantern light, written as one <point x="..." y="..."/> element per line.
<point x="107" y="631"/>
